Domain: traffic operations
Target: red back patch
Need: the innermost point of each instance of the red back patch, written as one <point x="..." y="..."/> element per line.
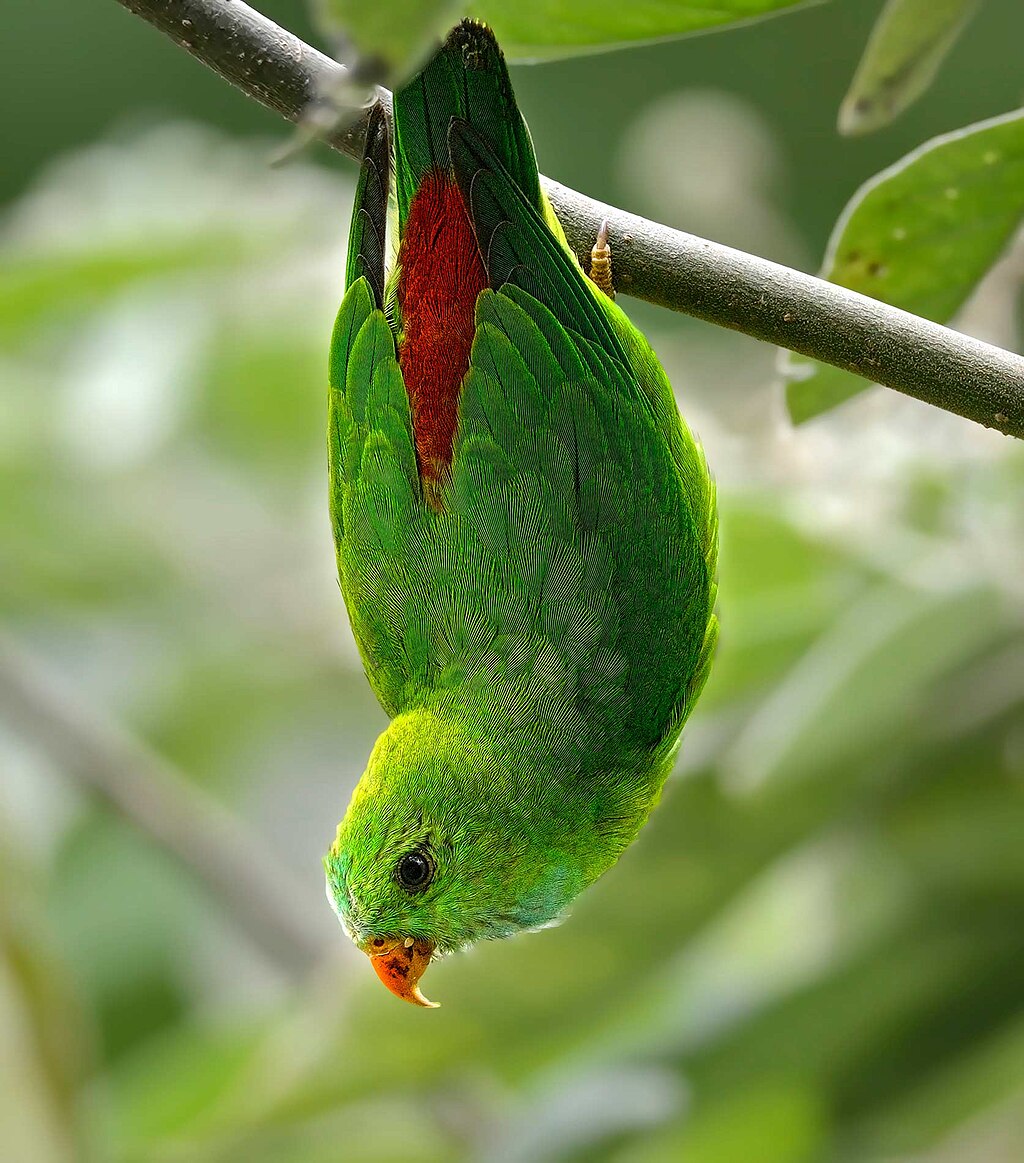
<point x="441" y="276"/>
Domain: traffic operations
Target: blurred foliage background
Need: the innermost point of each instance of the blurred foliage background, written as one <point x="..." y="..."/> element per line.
<point x="814" y="952"/>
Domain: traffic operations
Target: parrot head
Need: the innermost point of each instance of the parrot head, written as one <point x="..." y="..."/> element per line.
<point x="428" y="859"/>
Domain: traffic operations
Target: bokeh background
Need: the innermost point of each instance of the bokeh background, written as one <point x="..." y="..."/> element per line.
<point x="814" y="952"/>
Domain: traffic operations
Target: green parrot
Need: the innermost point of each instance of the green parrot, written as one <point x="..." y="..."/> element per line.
<point x="526" y="536"/>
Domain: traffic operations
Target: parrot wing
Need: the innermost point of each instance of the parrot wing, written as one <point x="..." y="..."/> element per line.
<point x="375" y="495"/>
<point x="611" y="374"/>
<point x="577" y="557"/>
<point x="374" y="486"/>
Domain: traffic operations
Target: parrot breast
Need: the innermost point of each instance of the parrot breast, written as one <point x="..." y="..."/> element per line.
<point x="441" y="275"/>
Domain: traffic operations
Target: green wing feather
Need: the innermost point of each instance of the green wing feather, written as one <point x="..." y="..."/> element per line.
<point x="375" y="495"/>
<point x="517" y="246"/>
<point x="616" y="535"/>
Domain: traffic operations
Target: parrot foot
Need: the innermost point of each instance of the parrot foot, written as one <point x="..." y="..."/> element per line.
<point x="601" y="263"/>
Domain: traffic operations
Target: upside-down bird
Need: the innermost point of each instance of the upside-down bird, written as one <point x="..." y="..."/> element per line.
<point x="526" y="536"/>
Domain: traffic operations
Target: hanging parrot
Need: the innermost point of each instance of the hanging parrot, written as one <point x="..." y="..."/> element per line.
<point x="526" y="537"/>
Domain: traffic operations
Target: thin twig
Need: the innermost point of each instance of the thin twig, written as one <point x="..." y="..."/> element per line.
<point x="260" y="895"/>
<point x="653" y="262"/>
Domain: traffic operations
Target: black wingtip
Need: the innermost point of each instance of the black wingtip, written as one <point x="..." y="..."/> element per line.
<point x="471" y="35"/>
<point x="466" y="79"/>
<point x="377" y="146"/>
<point x="476" y="46"/>
<point x="369" y="219"/>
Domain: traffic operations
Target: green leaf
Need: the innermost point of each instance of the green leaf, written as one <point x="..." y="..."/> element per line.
<point x="554" y="28"/>
<point x="178" y="1083"/>
<point x="46" y="1051"/>
<point x="920" y="236"/>
<point x="855" y="686"/>
<point x="942" y="984"/>
<point x="395" y="36"/>
<point x="907" y="45"/>
<point x="773" y="1121"/>
<point x="971" y="1085"/>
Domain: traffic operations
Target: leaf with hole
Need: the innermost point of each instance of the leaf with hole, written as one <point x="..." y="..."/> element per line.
<point x="920" y="236"/>
<point x="907" y="45"/>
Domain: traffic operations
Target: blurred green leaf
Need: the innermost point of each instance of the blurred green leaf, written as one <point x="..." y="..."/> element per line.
<point x="794" y="586"/>
<point x="920" y="236"/>
<point x="862" y="682"/>
<point x="67" y="547"/>
<point x="178" y="1081"/>
<point x="261" y="402"/>
<point x="121" y="916"/>
<point x="774" y="1122"/>
<point x="553" y="28"/>
<point x="987" y="1076"/>
<point x="43" y="1031"/>
<point x="907" y="45"/>
<point x="958" y="835"/>
<point x="35" y="286"/>
<point x="880" y="1025"/>
<point x="392" y="37"/>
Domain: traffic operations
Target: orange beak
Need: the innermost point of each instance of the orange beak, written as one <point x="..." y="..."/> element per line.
<point x="400" y="963"/>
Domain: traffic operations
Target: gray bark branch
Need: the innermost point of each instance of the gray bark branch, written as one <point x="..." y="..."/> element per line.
<point x="237" y="867"/>
<point x="664" y="266"/>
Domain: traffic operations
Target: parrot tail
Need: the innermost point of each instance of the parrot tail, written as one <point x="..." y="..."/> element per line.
<point x="467" y="81"/>
<point x="442" y="268"/>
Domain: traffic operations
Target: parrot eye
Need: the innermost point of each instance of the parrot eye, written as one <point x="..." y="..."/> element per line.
<point x="415" y="871"/>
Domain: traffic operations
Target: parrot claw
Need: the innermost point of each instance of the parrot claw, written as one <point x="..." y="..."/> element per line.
<point x="601" y="262"/>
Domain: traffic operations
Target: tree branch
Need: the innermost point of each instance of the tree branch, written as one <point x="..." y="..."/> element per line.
<point x="653" y="262"/>
<point x="259" y="894"/>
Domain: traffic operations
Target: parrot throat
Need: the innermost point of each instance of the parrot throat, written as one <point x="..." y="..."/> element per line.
<point x="441" y="275"/>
